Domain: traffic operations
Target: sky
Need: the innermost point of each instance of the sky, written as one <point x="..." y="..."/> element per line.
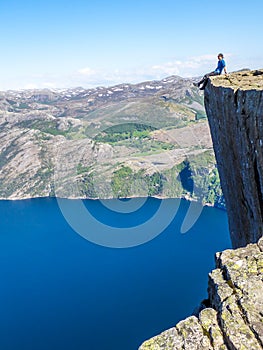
<point x="88" y="43"/>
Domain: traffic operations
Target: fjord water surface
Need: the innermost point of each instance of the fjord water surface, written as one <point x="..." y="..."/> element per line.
<point x="60" y="291"/>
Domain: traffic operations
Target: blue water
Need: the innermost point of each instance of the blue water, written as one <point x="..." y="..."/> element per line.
<point x="60" y="291"/>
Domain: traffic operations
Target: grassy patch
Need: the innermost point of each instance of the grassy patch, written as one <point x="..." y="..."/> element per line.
<point x="127" y="183"/>
<point x="124" y="132"/>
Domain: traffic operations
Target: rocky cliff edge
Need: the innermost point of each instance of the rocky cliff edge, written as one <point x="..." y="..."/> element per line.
<point x="234" y="318"/>
<point x="234" y="107"/>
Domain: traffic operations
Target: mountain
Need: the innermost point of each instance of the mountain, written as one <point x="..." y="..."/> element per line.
<point x="150" y="138"/>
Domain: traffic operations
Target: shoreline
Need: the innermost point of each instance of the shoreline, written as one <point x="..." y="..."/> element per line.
<point x="187" y="198"/>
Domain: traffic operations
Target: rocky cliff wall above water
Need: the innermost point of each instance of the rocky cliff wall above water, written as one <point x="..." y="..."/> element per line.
<point x="234" y="106"/>
<point x="234" y="318"/>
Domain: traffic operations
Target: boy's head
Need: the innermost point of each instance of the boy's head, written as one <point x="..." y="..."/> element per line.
<point x="220" y="56"/>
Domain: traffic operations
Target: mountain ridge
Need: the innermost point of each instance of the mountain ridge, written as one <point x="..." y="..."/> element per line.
<point x="137" y="127"/>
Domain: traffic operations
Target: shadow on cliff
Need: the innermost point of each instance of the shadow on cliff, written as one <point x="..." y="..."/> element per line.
<point x="186" y="178"/>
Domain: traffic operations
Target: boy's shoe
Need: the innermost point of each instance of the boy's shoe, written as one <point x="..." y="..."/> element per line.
<point x="196" y="84"/>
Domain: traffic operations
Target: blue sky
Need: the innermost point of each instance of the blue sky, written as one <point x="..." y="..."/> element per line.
<point x="89" y="43"/>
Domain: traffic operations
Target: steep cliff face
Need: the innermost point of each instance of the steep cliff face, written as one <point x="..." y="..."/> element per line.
<point x="234" y="318"/>
<point x="234" y="106"/>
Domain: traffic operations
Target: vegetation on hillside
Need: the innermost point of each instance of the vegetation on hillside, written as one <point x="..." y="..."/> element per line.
<point x="124" y="132"/>
<point x="128" y="183"/>
<point x="125" y="135"/>
<point x="195" y="178"/>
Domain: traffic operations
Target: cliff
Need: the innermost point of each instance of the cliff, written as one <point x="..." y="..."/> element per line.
<point x="234" y="318"/>
<point x="234" y="106"/>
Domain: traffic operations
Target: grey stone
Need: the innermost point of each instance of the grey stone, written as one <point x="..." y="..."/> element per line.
<point x="218" y="288"/>
<point x="234" y="106"/>
<point x="208" y="320"/>
<point x="260" y="244"/>
<point x="235" y="318"/>
<point x="168" y="340"/>
<point x="193" y="335"/>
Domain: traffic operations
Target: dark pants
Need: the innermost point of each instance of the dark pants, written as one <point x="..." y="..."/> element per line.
<point x="205" y="78"/>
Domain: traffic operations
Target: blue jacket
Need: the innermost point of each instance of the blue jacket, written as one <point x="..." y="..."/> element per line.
<point x="220" y="66"/>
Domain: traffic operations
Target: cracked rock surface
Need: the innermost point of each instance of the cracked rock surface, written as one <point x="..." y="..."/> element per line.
<point x="234" y="319"/>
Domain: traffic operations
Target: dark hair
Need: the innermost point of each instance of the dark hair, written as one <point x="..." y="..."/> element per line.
<point x="221" y="55"/>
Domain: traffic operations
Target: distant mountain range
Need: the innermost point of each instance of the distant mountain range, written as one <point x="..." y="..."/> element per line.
<point x="120" y="141"/>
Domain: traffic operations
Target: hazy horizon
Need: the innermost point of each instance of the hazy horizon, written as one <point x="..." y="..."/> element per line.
<point x="62" y="44"/>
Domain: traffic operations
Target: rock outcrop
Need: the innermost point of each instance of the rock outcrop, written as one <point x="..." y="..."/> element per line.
<point x="234" y="318"/>
<point x="234" y="106"/>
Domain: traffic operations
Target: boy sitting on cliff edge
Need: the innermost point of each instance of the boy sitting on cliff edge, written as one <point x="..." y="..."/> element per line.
<point x="221" y="65"/>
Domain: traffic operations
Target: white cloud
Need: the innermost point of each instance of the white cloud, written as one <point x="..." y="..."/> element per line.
<point x="169" y="68"/>
<point x="186" y="67"/>
<point x="191" y="66"/>
<point x="38" y="85"/>
<point x="50" y="85"/>
<point x="88" y="77"/>
<point x="203" y="58"/>
<point x="30" y="86"/>
<point x="87" y="71"/>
